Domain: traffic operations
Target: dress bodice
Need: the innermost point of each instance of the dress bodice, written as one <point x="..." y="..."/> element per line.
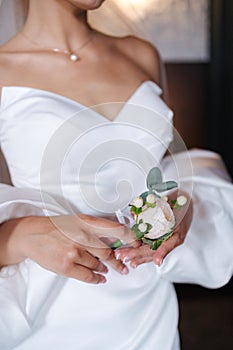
<point x="53" y="143"/>
<point x="58" y="145"/>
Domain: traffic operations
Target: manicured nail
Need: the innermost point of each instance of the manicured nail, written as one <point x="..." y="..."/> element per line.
<point x="126" y="259"/>
<point x="159" y="261"/>
<point x="103" y="279"/>
<point x="105" y="269"/>
<point x="118" y="256"/>
<point x="125" y="271"/>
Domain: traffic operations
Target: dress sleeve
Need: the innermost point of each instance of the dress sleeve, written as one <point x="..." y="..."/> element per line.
<point x="20" y="202"/>
<point x="15" y="279"/>
<point x="206" y="256"/>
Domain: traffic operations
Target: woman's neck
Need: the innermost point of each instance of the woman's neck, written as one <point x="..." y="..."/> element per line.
<point x="53" y="23"/>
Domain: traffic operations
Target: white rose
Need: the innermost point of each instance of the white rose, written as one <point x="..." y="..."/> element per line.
<point x="138" y="202"/>
<point x="161" y="218"/>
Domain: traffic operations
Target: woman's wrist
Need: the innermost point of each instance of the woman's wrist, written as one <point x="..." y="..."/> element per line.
<point x="15" y="237"/>
<point x="28" y="227"/>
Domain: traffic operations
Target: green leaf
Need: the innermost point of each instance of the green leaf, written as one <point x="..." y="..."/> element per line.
<point x="138" y="210"/>
<point x="150" y="205"/>
<point x="177" y="206"/>
<point x="139" y="235"/>
<point x="149" y="227"/>
<point x="164" y="186"/>
<point x="144" y="195"/>
<point x="147" y="241"/>
<point x="116" y="244"/>
<point x="156" y="243"/>
<point x="154" y="177"/>
<point x="135" y="210"/>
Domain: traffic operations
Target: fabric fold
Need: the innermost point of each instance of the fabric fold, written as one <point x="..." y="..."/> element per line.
<point x="206" y="257"/>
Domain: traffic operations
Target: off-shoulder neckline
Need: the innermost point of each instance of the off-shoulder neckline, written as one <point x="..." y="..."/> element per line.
<point x="77" y="103"/>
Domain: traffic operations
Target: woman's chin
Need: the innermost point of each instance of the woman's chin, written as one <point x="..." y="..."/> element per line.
<point x="87" y="4"/>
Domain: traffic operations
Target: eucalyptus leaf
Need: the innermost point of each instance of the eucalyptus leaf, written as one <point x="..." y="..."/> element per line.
<point x="154" y="177"/>
<point x="164" y="186"/>
<point x="144" y="195"/>
<point x="149" y="227"/>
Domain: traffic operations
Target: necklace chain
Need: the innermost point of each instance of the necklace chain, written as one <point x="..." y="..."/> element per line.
<point x="73" y="55"/>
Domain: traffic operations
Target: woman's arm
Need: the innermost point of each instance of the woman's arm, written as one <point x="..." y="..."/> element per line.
<point x="68" y="245"/>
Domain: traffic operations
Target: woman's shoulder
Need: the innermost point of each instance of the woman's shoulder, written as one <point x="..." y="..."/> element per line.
<point x="143" y="53"/>
<point x="135" y="43"/>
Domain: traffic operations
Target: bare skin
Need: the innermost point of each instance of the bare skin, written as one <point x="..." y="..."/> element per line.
<point x="110" y="70"/>
<point x="68" y="245"/>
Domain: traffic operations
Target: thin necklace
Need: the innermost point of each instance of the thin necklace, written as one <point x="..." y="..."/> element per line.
<point x="73" y="55"/>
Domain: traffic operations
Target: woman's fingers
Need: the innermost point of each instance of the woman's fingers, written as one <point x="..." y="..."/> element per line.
<point x="143" y="254"/>
<point x="107" y="255"/>
<point x="136" y="262"/>
<point x="93" y="263"/>
<point x="86" y="275"/>
<point x="166" y="247"/>
<point x="105" y="228"/>
<point x="88" y="230"/>
<point x="130" y="254"/>
<point x="96" y="248"/>
<point x="79" y="264"/>
<point x="82" y="232"/>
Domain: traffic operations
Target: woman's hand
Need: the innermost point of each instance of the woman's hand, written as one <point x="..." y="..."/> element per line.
<point x="143" y="254"/>
<point x="68" y="245"/>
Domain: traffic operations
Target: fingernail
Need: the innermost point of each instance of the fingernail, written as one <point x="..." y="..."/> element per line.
<point x="118" y="256"/>
<point x="103" y="279"/>
<point x="125" y="271"/>
<point x="126" y="259"/>
<point x="105" y="269"/>
<point x="159" y="261"/>
<point x="134" y="265"/>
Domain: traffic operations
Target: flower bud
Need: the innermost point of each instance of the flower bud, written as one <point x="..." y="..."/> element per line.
<point x="151" y="198"/>
<point x="138" y="202"/>
<point x="181" y="200"/>
<point x="142" y="227"/>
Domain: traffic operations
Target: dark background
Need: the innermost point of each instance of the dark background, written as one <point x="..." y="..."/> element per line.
<point x="201" y="95"/>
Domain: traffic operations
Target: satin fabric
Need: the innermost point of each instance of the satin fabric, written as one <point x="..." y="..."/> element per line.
<point x="102" y="166"/>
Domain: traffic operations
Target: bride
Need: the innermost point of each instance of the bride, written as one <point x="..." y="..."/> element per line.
<point x="82" y="120"/>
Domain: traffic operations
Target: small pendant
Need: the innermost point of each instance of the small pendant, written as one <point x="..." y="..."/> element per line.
<point x="74" y="57"/>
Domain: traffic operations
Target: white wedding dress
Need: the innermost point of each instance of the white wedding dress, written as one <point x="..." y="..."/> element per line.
<point x="86" y="163"/>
